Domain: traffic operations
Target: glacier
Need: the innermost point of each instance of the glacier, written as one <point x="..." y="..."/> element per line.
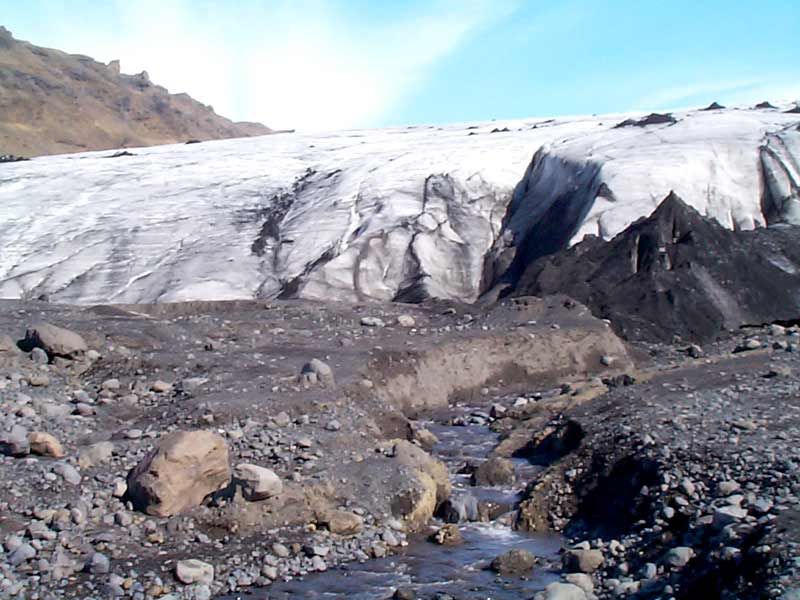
<point x="389" y="214"/>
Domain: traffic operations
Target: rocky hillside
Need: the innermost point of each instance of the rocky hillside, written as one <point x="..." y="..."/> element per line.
<point x="677" y="273"/>
<point x="52" y="102"/>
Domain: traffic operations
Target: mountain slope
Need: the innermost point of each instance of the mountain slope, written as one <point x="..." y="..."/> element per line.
<point x="52" y="102"/>
<point x="677" y="273"/>
<point x="391" y="214"/>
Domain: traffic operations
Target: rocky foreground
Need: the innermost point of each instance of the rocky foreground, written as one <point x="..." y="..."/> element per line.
<point x="191" y="450"/>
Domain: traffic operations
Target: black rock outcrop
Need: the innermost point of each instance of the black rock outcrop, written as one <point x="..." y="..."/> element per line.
<point x="677" y="272"/>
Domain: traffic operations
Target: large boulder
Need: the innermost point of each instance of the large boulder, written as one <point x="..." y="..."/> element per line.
<point x="415" y="458"/>
<point x="178" y="474"/>
<point x="56" y="341"/>
<point x="416" y="503"/>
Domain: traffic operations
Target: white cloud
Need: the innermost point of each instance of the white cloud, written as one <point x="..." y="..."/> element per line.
<point x="306" y="66"/>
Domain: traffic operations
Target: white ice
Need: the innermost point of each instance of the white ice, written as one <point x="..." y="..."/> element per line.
<point x="376" y="214"/>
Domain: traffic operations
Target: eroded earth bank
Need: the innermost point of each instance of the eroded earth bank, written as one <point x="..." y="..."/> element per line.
<point x="201" y="449"/>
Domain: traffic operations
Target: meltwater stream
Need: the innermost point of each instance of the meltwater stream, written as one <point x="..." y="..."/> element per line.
<point x="426" y="568"/>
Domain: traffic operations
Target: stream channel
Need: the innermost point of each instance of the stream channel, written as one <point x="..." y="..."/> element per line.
<point x="434" y="571"/>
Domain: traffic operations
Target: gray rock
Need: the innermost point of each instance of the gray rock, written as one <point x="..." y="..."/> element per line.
<point x="69" y="473"/>
<point x="728" y="514"/>
<point x="15" y="442"/>
<point x="95" y="454"/>
<point x="514" y="562"/>
<point x="39" y="356"/>
<point x="23" y="553"/>
<point x="583" y="560"/>
<point x="678" y="557"/>
<point x="494" y="472"/>
<point x="406" y="321"/>
<point x="372" y="322"/>
<point x="582" y="580"/>
<point x="316" y="372"/>
<point x="563" y="591"/>
<point x="256" y="482"/>
<point x="194" y="571"/>
<point x="98" y="564"/>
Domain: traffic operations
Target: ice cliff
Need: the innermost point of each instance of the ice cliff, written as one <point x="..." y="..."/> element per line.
<point x="381" y="214"/>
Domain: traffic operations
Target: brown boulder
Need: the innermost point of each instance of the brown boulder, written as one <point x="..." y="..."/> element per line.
<point x="56" y="341"/>
<point x="416" y="503"/>
<point x="415" y="458"/>
<point x="44" y="444"/>
<point x="514" y="562"/>
<point x="341" y="522"/>
<point x="493" y="472"/>
<point x="178" y="474"/>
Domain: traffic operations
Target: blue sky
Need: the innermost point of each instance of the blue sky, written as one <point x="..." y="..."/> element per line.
<point x="325" y="64"/>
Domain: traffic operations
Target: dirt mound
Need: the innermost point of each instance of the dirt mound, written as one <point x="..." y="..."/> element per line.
<point x="52" y="102"/>
<point x="677" y="273"/>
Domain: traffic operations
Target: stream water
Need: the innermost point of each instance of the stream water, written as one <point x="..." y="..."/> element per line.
<point x="427" y="568"/>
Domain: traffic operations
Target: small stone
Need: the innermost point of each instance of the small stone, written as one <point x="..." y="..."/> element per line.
<point x="726" y="488"/>
<point x="514" y="562"/>
<point x="341" y="522"/>
<point x="15" y="442"/>
<point x="95" y="454"/>
<point x="280" y="550"/>
<point x="582" y="580"/>
<point x="495" y="471"/>
<point x="194" y="571"/>
<point x="39" y="356"/>
<point x="269" y="572"/>
<point x="678" y="557"/>
<point x="161" y="387"/>
<point x="318" y="564"/>
<point x="728" y="514"/>
<point x="119" y="488"/>
<point x="564" y="591"/>
<point x="316" y="372"/>
<point x="69" y="473"/>
<point x="372" y="322"/>
<point x="257" y="483"/>
<point x="447" y="535"/>
<point x="98" y="564"/>
<point x="694" y="351"/>
<point x="583" y="560"/>
<point x="23" y="553"/>
<point x="333" y="425"/>
<point x="406" y="321"/>
<point x="111" y="385"/>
